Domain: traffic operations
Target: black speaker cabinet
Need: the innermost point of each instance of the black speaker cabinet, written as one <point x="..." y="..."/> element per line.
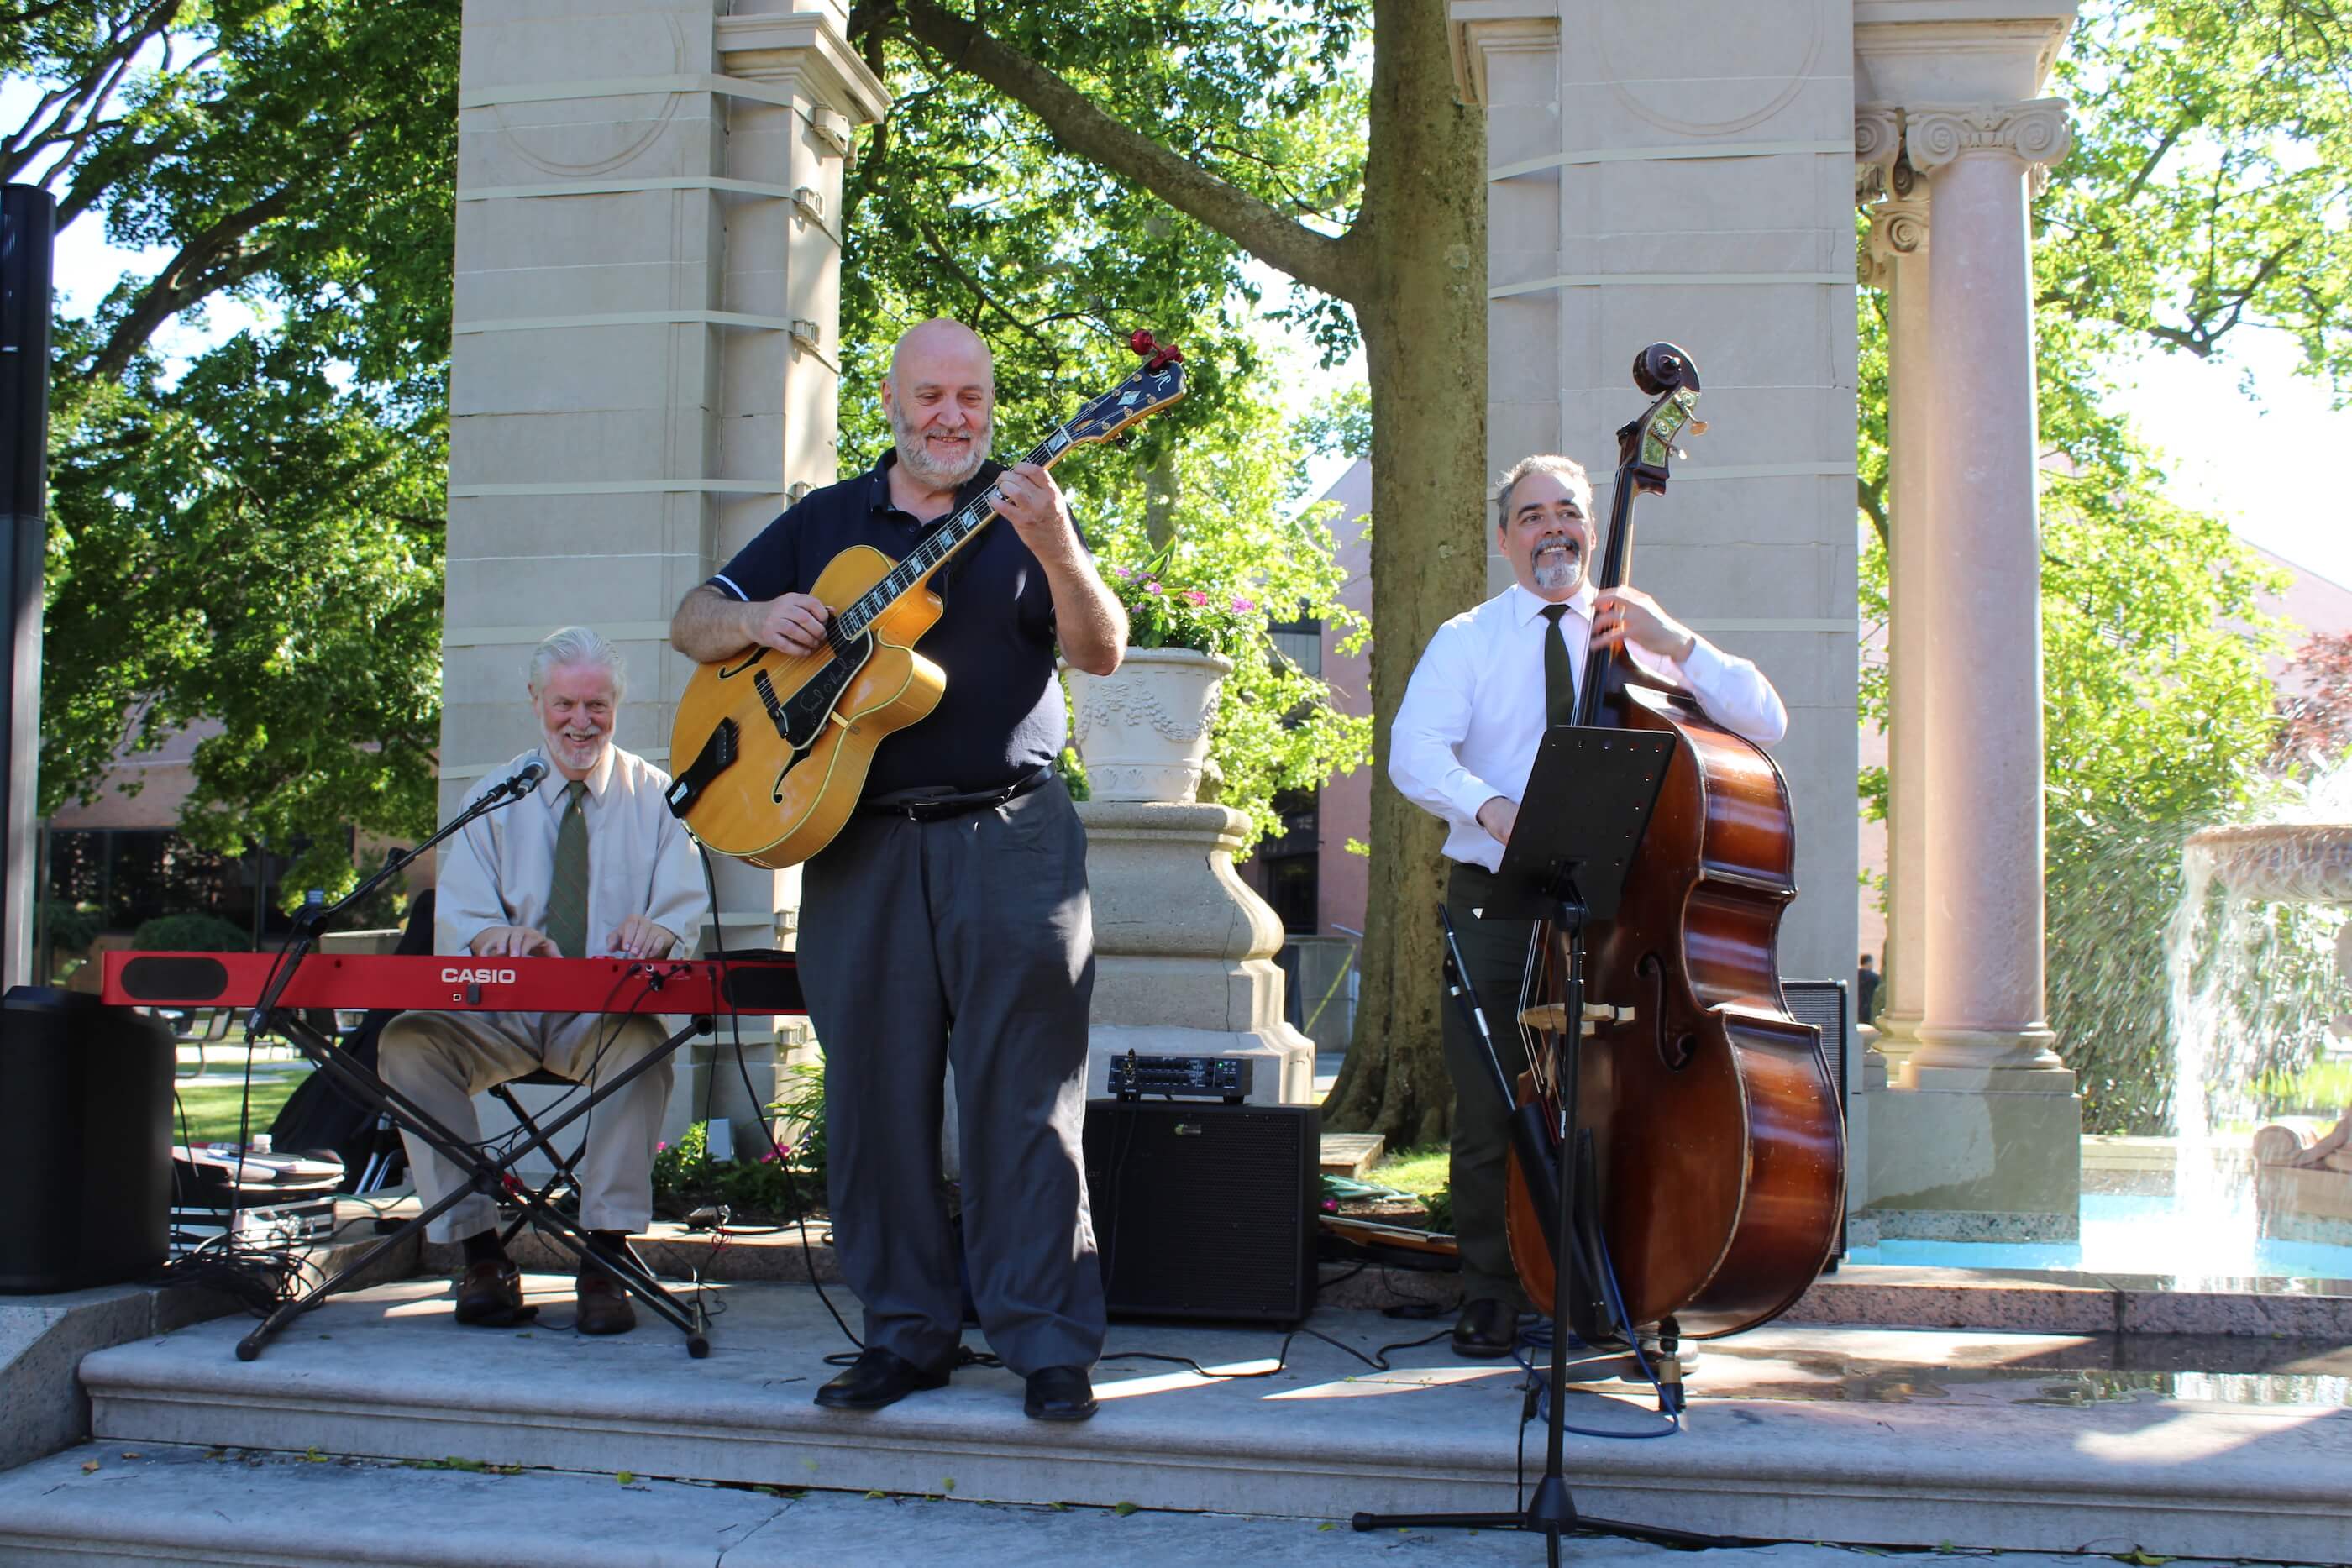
<point x="1204" y="1209"/>
<point x="1822" y="1004"/>
<point x="85" y="1141"/>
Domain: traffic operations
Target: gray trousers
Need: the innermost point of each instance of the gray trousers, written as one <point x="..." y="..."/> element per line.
<point x="968" y="940"/>
<point x="442" y="1060"/>
<point x="1495" y="952"/>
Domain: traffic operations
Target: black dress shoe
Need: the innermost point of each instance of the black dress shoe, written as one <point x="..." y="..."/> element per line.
<point x="878" y="1377"/>
<point x="1487" y="1329"/>
<point x="1059" y="1394"/>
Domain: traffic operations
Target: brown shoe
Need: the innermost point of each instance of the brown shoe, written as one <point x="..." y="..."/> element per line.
<point x="603" y="1306"/>
<point x="489" y="1295"/>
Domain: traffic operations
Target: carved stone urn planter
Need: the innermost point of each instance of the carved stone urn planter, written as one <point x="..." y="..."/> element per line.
<point x="1143" y="731"/>
<point x="1184" y="949"/>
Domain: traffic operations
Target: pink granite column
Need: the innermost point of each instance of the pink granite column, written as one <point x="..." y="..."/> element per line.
<point x="1979" y="623"/>
<point x="1898" y="255"/>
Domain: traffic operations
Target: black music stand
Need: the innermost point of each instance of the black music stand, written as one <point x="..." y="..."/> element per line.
<point x="484" y="1175"/>
<point x="1587" y="803"/>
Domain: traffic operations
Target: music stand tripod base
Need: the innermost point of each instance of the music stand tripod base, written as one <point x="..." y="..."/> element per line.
<point x="1587" y="803"/>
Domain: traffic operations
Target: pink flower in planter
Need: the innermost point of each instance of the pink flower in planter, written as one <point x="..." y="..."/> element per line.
<point x="1244" y="605"/>
<point x="1151" y="587"/>
<point x="1196" y="596"/>
<point x="1122" y="571"/>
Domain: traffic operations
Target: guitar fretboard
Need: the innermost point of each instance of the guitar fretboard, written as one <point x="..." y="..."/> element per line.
<point x="846" y="627"/>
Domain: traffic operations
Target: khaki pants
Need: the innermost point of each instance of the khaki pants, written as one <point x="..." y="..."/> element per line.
<point x="441" y="1061"/>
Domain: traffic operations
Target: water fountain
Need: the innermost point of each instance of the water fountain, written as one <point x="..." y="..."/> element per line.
<point x="2302" y="1186"/>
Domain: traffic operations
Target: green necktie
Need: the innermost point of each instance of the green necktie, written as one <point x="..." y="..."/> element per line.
<point x="1559" y="679"/>
<point x="567" y="895"/>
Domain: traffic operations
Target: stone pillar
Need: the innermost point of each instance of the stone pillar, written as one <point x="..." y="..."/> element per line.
<point x="1897" y="262"/>
<point x="1184" y="949"/>
<point x="646" y="358"/>
<point x="1983" y="1002"/>
<point x="1694" y="182"/>
<point x="1981" y="1138"/>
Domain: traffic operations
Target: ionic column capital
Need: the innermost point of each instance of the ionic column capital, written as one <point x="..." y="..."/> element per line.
<point x="1877" y="144"/>
<point x="2037" y="132"/>
<point x="1898" y="232"/>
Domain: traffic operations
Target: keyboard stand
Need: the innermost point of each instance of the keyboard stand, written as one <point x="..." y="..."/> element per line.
<point x="493" y="1178"/>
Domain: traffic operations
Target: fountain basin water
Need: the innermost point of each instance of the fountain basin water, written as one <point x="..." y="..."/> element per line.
<point x="2287" y="863"/>
<point x="2302" y="1177"/>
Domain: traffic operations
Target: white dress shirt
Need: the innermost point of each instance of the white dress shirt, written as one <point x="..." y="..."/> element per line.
<point x="640" y="860"/>
<point x="1475" y="710"/>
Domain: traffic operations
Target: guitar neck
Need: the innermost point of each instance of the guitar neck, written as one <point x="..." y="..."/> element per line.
<point x="851" y="622"/>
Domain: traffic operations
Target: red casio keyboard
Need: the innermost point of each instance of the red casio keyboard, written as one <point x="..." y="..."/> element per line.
<point x="761" y="984"/>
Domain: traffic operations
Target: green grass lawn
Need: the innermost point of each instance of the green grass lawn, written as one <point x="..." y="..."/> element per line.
<point x="1421" y="1170"/>
<point x="211" y="1109"/>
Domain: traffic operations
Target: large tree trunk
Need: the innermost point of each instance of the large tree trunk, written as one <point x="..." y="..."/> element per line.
<point x="1425" y="329"/>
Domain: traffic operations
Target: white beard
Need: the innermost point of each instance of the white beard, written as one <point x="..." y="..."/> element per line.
<point x="916" y="458"/>
<point x="1559" y="572"/>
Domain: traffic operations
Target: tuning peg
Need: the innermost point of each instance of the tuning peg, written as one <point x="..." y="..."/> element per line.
<point x="1696" y="427"/>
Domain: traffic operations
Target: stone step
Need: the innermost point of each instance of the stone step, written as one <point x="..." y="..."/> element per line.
<point x="1900" y="1438"/>
<point x="101" y="1506"/>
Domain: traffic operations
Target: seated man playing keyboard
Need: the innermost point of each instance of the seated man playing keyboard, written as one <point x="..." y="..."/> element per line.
<point x="591" y="863"/>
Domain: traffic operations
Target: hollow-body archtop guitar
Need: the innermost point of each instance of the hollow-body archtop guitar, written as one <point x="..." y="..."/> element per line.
<point x="775" y="747"/>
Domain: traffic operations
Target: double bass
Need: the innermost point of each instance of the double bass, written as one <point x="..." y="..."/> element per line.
<point x="1709" y="1147"/>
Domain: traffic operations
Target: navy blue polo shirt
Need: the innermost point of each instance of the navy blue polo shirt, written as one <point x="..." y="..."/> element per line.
<point x="1001" y="716"/>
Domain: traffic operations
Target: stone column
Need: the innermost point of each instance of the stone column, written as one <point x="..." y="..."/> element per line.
<point x="1981" y="1138"/>
<point x="1897" y="262"/>
<point x="1983" y="1001"/>
<point x="644" y="357"/>
<point x="1694" y="183"/>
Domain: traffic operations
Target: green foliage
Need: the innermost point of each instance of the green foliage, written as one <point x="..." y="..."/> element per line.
<point x="761" y="1187"/>
<point x="2209" y="183"/>
<point x="252" y="539"/>
<point x="191" y="934"/>
<point x="70" y="929"/>
<point x="801" y="1105"/>
<point x="961" y="204"/>
<point x="1340" y="424"/>
<point x="1240" y="540"/>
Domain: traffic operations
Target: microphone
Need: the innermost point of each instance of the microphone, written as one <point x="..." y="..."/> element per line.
<point x="525" y="781"/>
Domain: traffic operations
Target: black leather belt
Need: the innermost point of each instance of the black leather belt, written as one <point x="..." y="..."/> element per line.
<point x="931" y="806"/>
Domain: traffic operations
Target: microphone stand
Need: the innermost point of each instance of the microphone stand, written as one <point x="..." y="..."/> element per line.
<point x="315" y="911"/>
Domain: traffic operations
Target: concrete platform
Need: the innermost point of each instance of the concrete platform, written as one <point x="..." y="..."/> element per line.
<point x="2174" y="1446"/>
<point x="165" y="1503"/>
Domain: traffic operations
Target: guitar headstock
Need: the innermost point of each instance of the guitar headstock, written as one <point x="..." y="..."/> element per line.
<point x="1645" y="447"/>
<point x="1157" y="382"/>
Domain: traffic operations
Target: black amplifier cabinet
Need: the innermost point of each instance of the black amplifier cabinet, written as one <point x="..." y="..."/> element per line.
<point x="1205" y="1210"/>
<point x="85" y="1141"/>
<point x="1822" y="1004"/>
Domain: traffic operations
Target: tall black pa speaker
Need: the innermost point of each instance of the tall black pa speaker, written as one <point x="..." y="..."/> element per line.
<point x="1822" y="1004"/>
<point x="85" y="1141"/>
<point x="1204" y="1209"/>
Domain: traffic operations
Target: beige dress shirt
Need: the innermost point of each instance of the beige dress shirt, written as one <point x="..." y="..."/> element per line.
<point x="640" y="860"/>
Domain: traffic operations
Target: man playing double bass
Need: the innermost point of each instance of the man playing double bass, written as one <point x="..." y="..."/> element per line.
<point x="1464" y="743"/>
